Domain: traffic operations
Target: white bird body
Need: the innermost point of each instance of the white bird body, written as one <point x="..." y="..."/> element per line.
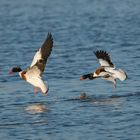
<point x="33" y="73"/>
<point x="117" y="74"/>
<point x="36" y="57"/>
<point x="36" y="81"/>
<point x="107" y="70"/>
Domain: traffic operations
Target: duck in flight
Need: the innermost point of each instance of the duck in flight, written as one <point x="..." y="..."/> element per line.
<point x="107" y="70"/>
<point x="33" y="73"/>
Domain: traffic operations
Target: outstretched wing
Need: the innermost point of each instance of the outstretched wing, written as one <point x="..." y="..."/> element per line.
<point x="43" y="53"/>
<point x="104" y="58"/>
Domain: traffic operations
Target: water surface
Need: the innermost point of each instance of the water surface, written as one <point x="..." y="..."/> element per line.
<point x="78" y="28"/>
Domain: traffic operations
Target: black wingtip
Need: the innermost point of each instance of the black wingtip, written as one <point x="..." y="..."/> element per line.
<point x="49" y="35"/>
<point x="99" y="53"/>
<point x="102" y="54"/>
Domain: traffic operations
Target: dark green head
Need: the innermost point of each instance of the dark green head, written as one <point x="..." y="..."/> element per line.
<point x="15" y="69"/>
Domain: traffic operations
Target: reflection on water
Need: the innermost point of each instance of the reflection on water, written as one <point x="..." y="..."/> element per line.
<point x="20" y="124"/>
<point x="36" y="108"/>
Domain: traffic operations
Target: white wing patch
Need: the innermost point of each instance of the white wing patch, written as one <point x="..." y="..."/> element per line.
<point x="37" y="56"/>
<point x="103" y="62"/>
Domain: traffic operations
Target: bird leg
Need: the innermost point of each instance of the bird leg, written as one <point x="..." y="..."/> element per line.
<point x="35" y="90"/>
<point x="114" y="85"/>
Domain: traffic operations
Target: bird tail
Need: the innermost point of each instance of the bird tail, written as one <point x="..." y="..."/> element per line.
<point x="111" y="79"/>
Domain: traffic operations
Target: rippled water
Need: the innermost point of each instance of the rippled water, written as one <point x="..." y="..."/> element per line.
<point x="79" y="27"/>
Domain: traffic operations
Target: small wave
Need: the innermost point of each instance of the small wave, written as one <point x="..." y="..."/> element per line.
<point x="21" y="123"/>
<point x="125" y="95"/>
<point x="101" y="98"/>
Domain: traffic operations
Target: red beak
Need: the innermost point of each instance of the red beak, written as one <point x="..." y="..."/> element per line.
<point x="82" y="78"/>
<point x="10" y="72"/>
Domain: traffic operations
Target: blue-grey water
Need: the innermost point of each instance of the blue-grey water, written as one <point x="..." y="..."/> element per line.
<point x="79" y="27"/>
